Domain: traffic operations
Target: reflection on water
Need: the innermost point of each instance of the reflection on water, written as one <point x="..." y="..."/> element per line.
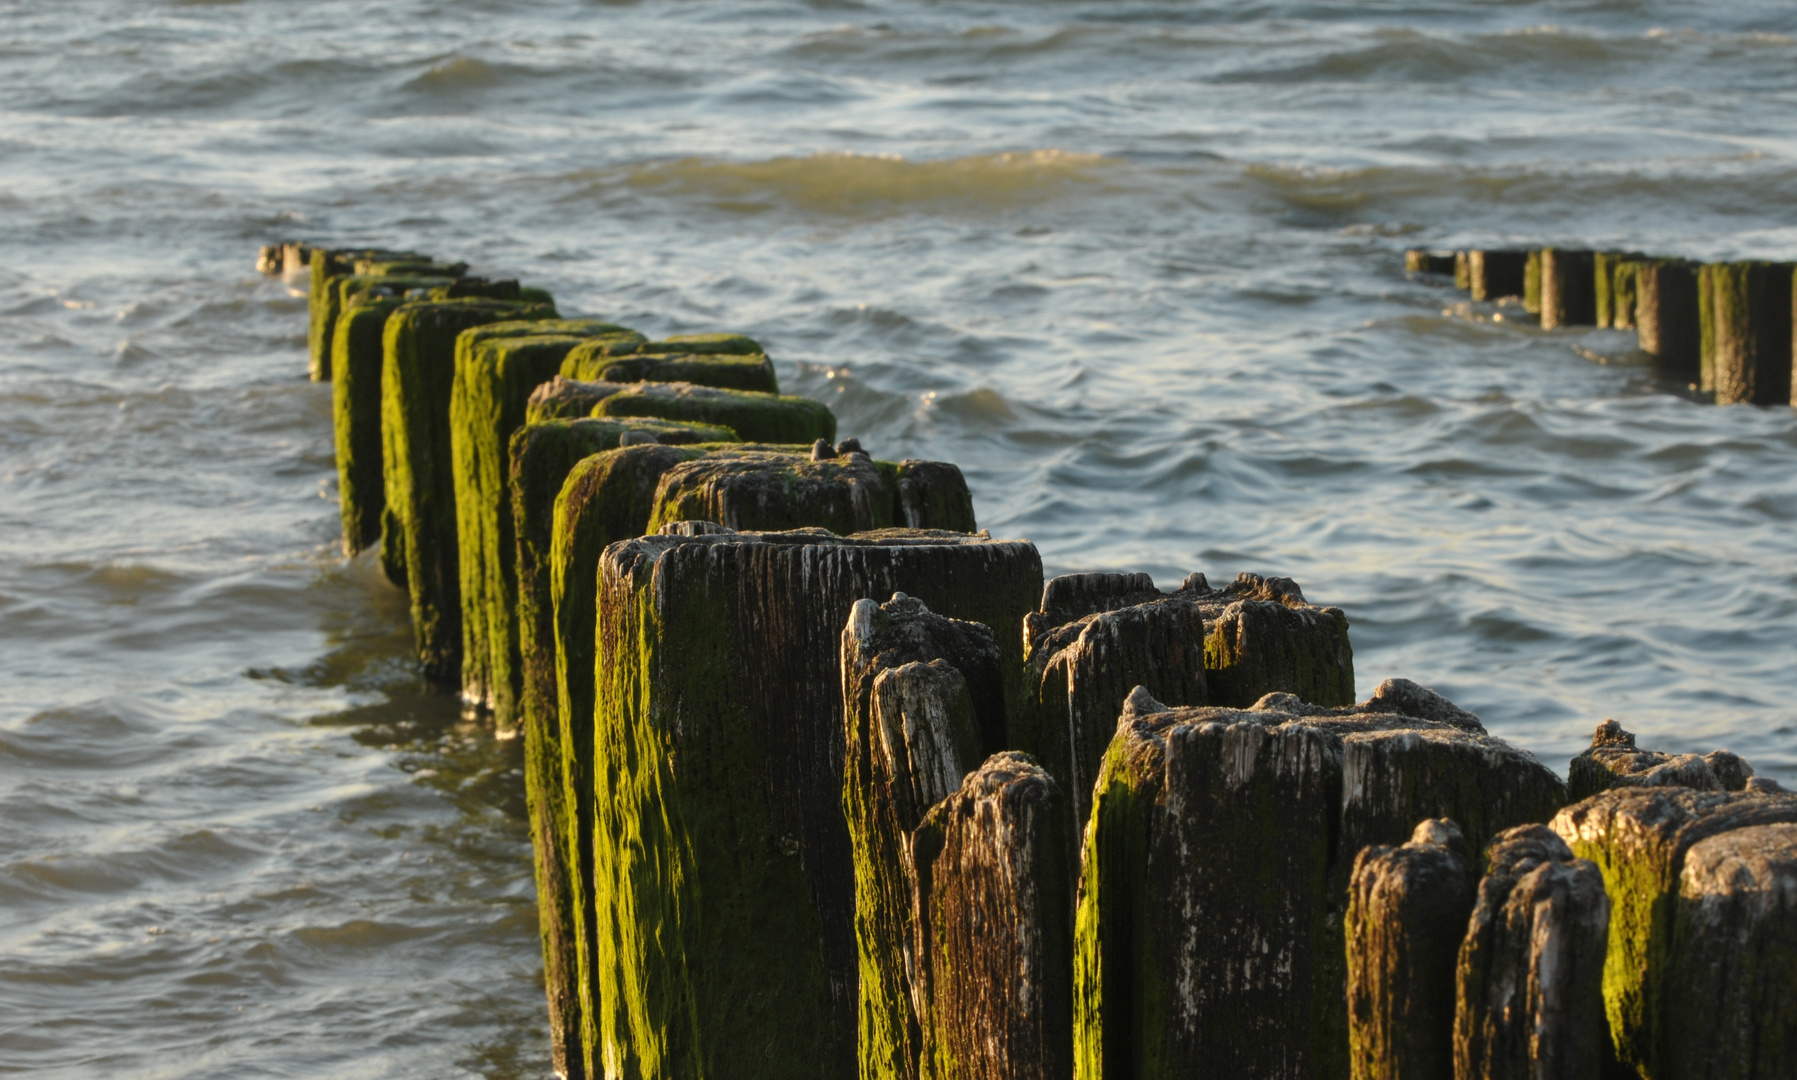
<point x="1136" y="268"/>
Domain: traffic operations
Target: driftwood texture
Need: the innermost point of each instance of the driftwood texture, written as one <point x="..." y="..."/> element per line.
<point x="1639" y="838"/>
<point x="923" y="696"/>
<point x="1407" y="912"/>
<point x="1529" y="980"/>
<point x="722" y="865"/>
<point x="994" y="927"/>
<point x="1209" y="934"/>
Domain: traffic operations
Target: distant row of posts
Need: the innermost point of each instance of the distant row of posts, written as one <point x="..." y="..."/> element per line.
<point x="1724" y="328"/>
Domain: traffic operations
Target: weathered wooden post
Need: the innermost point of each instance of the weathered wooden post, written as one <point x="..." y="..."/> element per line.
<point x="1463" y="270"/>
<point x="1262" y="636"/>
<point x="922" y="697"/>
<point x="1407" y="912"/>
<point x="728" y="361"/>
<point x="1639" y="837"/>
<point x="1605" y="266"/>
<point x="1095" y="638"/>
<point x="1613" y="760"/>
<point x="1668" y="325"/>
<point x="562" y="398"/>
<point x="1424" y="261"/>
<point x="329" y="266"/>
<point x="1568" y="288"/>
<point x="417" y="375"/>
<point x="1528" y="988"/>
<point x="721" y="859"/>
<point x="1531" y="283"/>
<point x="1493" y="275"/>
<point x="1750" y="332"/>
<point x="1209" y="935"/>
<point x="766" y="418"/>
<point x="497" y="367"/>
<point x="994" y="929"/>
<point x="775" y="490"/>
<point x="1625" y="291"/>
<point x="1733" y="1014"/>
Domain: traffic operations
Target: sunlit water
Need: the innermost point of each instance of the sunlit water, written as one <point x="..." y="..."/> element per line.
<point x="1135" y="266"/>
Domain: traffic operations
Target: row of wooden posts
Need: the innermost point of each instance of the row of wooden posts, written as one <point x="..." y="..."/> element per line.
<point x="1724" y="328"/>
<point x="825" y="783"/>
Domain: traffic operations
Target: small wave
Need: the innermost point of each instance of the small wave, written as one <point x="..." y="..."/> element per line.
<point x="865" y="184"/>
<point x="456" y="74"/>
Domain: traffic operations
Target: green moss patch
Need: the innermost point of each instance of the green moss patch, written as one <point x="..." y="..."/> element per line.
<point x="769" y="418"/>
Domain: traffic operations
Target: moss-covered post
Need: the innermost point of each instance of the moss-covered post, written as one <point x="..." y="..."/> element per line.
<point x="1463" y="270"/>
<point x="356" y="418"/>
<point x="1494" y="275"/>
<point x="328" y="266"/>
<point x="1625" y="291"/>
<point x="1668" y="324"/>
<point x="1209" y="932"/>
<point x="729" y="361"/>
<point x="1528" y="982"/>
<point x="1424" y="261"/>
<point x="1734" y="954"/>
<point x="722" y="865"/>
<point x="497" y="366"/>
<point x="922" y="697"/>
<point x="992" y="865"/>
<point x="1750" y="332"/>
<point x="1095" y="638"/>
<point x="1568" y="288"/>
<point x="1613" y="760"/>
<point x="1639" y="837"/>
<point x="768" y="418"/>
<point x="1407" y="911"/>
<point x="1531" y="283"/>
<point x="1263" y="637"/>
<point x="417" y="377"/>
<point x="1606" y="300"/>
<point x="562" y="398"/>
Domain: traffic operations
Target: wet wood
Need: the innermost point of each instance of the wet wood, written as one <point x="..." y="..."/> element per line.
<point x="1613" y="760"/>
<point x="1668" y="325"/>
<point x="1568" y="288"/>
<point x="1495" y="275"/>
<point x="1750" y="332"/>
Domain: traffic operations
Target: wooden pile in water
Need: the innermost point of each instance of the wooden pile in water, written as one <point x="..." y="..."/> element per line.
<point x="1723" y="328"/>
<point x="786" y="828"/>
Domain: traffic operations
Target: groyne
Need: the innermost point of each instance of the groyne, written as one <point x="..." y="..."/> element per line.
<point x="1724" y="329"/>
<point x="823" y="781"/>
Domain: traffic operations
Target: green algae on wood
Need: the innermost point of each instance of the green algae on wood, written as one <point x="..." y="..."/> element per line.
<point x="1263" y="637"/>
<point x="1531" y="283"/>
<point x="721" y="859"/>
<point x="1668" y="323"/>
<point x="1463" y="270"/>
<point x="994" y="955"/>
<point x="1734" y="952"/>
<point x="1639" y="837"/>
<point x="356" y="419"/>
<point x="1749" y="332"/>
<point x="1613" y="760"/>
<point x="1208" y="935"/>
<point x="541" y="456"/>
<point x="497" y="367"/>
<point x="1494" y="275"/>
<point x="568" y="399"/>
<point x="766" y="418"/>
<point x="417" y="380"/>
<point x="1568" y="288"/>
<point x="922" y="698"/>
<point x="1605" y="307"/>
<point x="729" y="372"/>
<point x="1528" y="980"/>
<point x="1095" y="638"/>
<point x="1407" y="912"/>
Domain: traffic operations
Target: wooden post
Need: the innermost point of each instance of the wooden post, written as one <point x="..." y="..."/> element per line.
<point x="1493" y="275"/>
<point x="767" y="418"/>
<point x="1095" y="638"/>
<point x="721" y="859"/>
<point x="1463" y="278"/>
<point x="1613" y="761"/>
<point x="1423" y="261"/>
<point x="1209" y="936"/>
<point x="1750" y="328"/>
<point x="1407" y="912"/>
<point x="1568" y="288"/>
<point x="1531" y="283"/>
<point x="1263" y="637"/>
<point x="1667" y="321"/>
<point x="1639" y="837"/>
<point x="774" y="490"/>
<point x="1733" y="958"/>
<point x="417" y="375"/>
<point x="994" y="927"/>
<point x="1605" y="266"/>
<point x="497" y="367"/>
<point x="922" y="696"/>
<point x="1529" y="980"/>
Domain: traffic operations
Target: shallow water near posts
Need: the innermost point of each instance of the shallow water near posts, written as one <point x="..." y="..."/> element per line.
<point x="1136" y="267"/>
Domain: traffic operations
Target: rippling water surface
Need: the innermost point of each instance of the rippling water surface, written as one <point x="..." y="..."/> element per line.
<point x="1135" y="265"/>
